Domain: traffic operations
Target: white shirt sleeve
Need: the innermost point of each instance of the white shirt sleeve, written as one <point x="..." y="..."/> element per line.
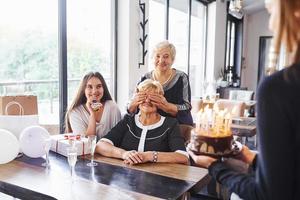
<point x="116" y="115"/>
<point x="110" y="117"/>
<point x="77" y="122"/>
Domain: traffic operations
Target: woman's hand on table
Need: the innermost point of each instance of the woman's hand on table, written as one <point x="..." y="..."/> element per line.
<point x="133" y="157"/>
<point x="201" y="160"/>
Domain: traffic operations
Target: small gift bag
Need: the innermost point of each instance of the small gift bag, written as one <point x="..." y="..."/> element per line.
<point x="18" y="113"/>
<point x="60" y="143"/>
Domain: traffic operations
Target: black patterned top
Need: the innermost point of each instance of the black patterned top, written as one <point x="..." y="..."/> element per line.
<point x="178" y="92"/>
<point x="163" y="136"/>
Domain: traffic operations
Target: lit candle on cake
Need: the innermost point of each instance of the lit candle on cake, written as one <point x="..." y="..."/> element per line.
<point x="228" y="123"/>
<point x="212" y="134"/>
<point x="234" y="111"/>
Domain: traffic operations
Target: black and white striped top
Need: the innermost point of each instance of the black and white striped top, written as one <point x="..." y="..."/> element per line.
<point x="163" y="136"/>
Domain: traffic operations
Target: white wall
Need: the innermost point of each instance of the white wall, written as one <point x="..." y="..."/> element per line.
<point x="220" y="37"/>
<point x="129" y="50"/>
<point x="255" y="25"/>
<point x="216" y="34"/>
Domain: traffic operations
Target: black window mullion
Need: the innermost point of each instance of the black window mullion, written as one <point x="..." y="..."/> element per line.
<point x="238" y="47"/>
<point x="62" y="60"/>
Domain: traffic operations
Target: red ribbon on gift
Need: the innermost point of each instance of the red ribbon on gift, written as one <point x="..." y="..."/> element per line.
<point x="72" y="137"/>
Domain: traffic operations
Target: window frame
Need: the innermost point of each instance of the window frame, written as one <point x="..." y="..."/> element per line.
<point x="63" y="64"/>
<point x="167" y="28"/>
<point x="238" y="44"/>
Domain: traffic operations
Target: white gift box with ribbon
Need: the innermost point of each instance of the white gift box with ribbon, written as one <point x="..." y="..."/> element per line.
<point x="60" y="143"/>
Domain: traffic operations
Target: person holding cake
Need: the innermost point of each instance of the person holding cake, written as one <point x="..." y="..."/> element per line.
<point x="176" y="101"/>
<point x="146" y="136"/>
<point x="92" y="112"/>
<point x="276" y="168"/>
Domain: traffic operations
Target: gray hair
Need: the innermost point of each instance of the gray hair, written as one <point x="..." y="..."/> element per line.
<point x="165" y="45"/>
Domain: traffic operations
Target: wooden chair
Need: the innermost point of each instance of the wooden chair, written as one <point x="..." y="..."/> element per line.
<point x="246" y="96"/>
<point x="241" y="95"/>
<point x="185" y="131"/>
<point x="197" y="104"/>
<point x="239" y="106"/>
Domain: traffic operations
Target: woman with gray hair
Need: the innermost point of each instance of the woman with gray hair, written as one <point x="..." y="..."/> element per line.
<point x="146" y="136"/>
<point x="176" y="101"/>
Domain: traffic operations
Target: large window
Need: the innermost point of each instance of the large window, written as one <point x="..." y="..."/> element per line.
<point x="233" y="57"/>
<point x="183" y="23"/>
<point x="28" y="53"/>
<point x="156" y="26"/>
<point x="178" y="32"/>
<point x="89" y="38"/>
<point x="197" y="48"/>
<point x="29" y="48"/>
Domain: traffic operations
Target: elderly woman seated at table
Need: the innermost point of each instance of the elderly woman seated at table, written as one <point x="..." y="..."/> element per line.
<point x="146" y="136"/>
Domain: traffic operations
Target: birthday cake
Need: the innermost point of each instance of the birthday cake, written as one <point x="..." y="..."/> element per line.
<point x="212" y="135"/>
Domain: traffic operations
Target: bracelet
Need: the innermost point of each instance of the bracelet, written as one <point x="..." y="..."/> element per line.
<point x="155" y="156"/>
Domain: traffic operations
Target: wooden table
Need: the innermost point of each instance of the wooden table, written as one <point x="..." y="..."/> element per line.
<point x="111" y="179"/>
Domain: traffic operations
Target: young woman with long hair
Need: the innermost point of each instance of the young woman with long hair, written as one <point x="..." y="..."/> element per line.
<point x="92" y="112"/>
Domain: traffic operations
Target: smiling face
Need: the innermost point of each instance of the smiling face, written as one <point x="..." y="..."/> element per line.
<point x="94" y="89"/>
<point x="163" y="59"/>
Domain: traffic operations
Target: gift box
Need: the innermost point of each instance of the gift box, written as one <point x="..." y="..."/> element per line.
<point x="60" y="143"/>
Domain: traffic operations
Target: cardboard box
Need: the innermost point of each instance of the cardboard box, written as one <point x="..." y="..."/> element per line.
<point x="12" y="105"/>
<point x="60" y="143"/>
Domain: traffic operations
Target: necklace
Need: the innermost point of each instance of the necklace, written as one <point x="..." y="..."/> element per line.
<point x="169" y="78"/>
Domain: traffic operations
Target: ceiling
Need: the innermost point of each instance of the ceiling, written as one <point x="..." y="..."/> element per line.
<point x="252" y="6"/>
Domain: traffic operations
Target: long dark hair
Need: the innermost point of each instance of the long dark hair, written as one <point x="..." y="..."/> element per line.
<point x="80" y="97"/>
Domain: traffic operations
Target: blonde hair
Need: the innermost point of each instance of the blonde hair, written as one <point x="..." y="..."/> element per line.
<point x="165" y="45"/>
<point x="149" y="84"/>
<point x="287" y="28"/>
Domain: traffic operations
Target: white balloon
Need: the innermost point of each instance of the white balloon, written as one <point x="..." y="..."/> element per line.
<point x="32" y="141"/>
<point x="9" y="146"/>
